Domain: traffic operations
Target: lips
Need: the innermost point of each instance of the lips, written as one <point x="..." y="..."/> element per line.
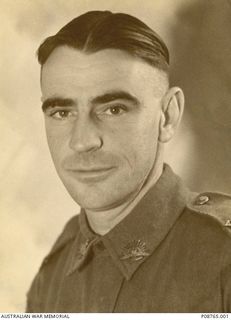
<point x="93" y="174"/>
<point x="94" y="169"/>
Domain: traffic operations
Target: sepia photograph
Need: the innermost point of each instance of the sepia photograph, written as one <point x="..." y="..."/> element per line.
<point x="116" y="156"/>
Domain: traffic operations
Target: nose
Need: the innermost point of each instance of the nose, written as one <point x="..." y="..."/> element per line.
<point x="85" y="136"/>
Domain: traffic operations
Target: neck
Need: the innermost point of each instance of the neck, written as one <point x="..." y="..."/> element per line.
<point x="102" y="222"/>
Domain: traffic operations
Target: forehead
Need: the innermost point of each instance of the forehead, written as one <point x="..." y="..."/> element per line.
<point x="68" y="69"/>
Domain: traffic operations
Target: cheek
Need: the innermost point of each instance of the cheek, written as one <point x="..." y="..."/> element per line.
<point x="136" y="143"/>
<point x="58" y="140"/>
<point x="144" y="135"/>
<point x="147" y="141"/>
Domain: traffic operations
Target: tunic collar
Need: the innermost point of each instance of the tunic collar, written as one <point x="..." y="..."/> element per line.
<point x="138" y="235"/>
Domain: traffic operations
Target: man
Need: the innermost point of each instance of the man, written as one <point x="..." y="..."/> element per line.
<point x="142" y="242"/>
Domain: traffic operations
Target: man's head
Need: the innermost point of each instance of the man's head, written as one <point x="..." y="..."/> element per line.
<point x="99" y="30"/>
<point x="108" y="106"/>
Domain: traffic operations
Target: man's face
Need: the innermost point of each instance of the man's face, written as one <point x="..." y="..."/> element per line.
<point x="102" y="114"/>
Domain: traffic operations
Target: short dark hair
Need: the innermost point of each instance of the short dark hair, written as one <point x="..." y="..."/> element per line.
<point x="98" y="30"/>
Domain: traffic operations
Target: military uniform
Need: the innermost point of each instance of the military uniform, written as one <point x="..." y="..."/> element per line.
<point x="172" y="253"/>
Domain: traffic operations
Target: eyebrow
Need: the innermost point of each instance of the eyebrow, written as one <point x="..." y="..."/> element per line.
<point x="56" y="101"/>
<point x="115" y="95"/>
<point x="104" y="98"/>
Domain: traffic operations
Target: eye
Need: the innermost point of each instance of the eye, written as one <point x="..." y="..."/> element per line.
<point x="62" y="114"/>
<point x="115" y="110"/>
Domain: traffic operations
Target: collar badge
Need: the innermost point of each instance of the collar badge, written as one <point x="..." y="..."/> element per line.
<point x="83" y="249"/>
<point x="135" y="251"/>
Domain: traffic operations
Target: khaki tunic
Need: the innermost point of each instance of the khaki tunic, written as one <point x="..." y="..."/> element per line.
<point x="172" y="253"/>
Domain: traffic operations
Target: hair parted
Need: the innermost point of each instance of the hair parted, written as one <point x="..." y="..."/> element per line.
<point x="99" y="30"/>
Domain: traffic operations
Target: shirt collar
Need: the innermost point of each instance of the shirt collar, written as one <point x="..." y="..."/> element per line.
<point x="137" y="236"/>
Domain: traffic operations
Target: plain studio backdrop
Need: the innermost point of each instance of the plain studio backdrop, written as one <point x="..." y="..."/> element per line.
<point x="34" y="205"/>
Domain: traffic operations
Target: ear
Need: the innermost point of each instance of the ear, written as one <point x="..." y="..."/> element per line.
<point x="171" y="113"/>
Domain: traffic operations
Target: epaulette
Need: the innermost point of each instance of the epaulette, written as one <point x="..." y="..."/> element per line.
<point x="68" y="233"/>
<point x="215" y="205"/>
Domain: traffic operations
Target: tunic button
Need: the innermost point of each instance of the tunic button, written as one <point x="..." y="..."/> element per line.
<point x="202" y="200"/>
<point x="228" y="223"/>
<point x="100" y="246"/>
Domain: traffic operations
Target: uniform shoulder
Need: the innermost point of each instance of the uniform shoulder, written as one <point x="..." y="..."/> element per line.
<point x="214" y="205"/>
<point x="68" y="233"/>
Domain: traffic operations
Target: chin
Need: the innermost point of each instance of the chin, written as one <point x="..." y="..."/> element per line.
<point x="96" y="200"/>
<point x="101" y="195"/>
<point x="92" y="204"/>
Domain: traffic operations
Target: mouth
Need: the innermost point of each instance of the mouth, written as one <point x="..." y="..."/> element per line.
<point x="91" y="174"/>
